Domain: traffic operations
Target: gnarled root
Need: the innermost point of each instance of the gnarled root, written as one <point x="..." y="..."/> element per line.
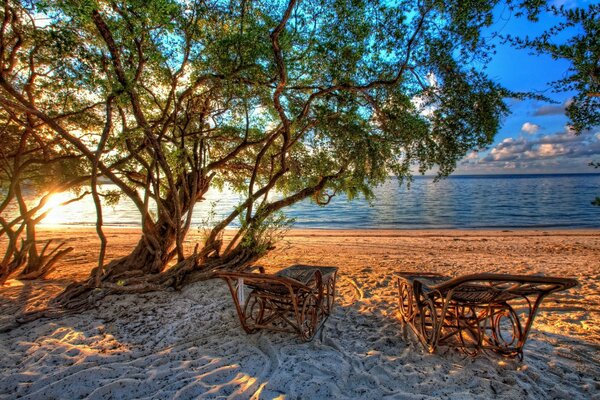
<point x="18" y="260"/>
<point x="45" y="263"/>
<point x="80" y="296"/>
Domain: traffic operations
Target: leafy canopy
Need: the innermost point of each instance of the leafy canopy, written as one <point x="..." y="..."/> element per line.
<point x="574" y="38"/>
<point x="349" y="90"/>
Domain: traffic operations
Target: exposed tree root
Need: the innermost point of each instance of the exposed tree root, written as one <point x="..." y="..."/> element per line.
<point x="18" y="260"/>
<point x="39" y="268"/>
<point x="45" y="263"/>
<point x="81" y="296"/>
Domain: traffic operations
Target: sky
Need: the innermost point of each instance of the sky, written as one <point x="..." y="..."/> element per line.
<point x="535" y="137"/>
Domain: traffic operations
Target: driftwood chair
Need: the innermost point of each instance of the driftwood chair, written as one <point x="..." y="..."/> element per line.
<point x="297" y="299"/>
<point x="474" y="312"/>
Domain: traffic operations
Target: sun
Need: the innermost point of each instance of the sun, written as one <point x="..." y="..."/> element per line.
<point x="55" y="210"/>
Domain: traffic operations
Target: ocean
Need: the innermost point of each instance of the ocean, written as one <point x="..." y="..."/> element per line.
<point x="478" y="202"/>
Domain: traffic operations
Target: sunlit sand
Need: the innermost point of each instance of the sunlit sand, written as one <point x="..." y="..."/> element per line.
<point x="190" y="344"/>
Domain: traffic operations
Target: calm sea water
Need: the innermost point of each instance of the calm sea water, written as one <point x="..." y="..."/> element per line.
<point x="496" y="202"/>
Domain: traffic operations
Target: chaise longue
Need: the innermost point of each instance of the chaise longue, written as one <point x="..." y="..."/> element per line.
<point x="474" y="312"/>
<point x="297" y="299"/>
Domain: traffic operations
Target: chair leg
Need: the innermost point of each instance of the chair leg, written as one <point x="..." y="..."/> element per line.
<point x="330" y="295"/>
<point x="533" y="309"/>
<point x="253" y="314"/>
<point x="468" y="329"/>
<point x="309" y="317"/>
<point x="507" y="332"/>
<point x="406" y="301"/>
<point x="428" y="325"/>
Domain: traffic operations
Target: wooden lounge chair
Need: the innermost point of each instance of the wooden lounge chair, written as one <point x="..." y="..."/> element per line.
<point x="296" y="299"/>
<point x="474" y="312"/>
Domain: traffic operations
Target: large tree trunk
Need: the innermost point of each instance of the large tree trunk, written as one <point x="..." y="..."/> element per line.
<point x="141" y="270"/>
<point x="152" y="253"/>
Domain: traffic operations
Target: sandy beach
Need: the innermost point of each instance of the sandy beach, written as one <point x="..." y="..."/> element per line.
<point x="189" y="344"/>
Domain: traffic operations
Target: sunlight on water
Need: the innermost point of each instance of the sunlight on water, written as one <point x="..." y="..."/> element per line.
<point x="535" y="201"/>
<point x="57" y="213"/>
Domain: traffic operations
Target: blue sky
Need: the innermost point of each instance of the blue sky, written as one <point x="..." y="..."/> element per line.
<point x="535" y="137"/>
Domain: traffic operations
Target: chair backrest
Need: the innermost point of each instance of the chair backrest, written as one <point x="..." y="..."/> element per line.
<point x="263" y="281"/>
<point x="521" y="285"/>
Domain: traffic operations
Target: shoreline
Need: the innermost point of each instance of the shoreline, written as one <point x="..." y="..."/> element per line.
<point x="367" y="232"/>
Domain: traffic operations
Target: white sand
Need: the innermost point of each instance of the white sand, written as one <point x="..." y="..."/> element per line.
<point x="190" y="344"/>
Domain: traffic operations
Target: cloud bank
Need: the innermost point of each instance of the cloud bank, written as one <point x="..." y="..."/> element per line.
<point x="554" y="153"/>
<point x="552" y="109"/>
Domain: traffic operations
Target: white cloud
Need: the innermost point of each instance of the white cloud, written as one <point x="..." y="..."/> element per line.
<point x="529" y="127"/>
<point x="549" y="150"/>
<point x="472" y="156"/>
<point x="558" y="152"/>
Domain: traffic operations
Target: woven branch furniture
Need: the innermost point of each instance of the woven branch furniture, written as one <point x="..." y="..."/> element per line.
<point x="474" y="312"/>
<point x="297" y="299"/>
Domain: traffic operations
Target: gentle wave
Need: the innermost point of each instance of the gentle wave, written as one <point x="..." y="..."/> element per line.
<point x="480" y="202"/>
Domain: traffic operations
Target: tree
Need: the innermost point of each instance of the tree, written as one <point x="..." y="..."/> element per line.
<point x="281" y="101"/>
<point x="34" y="164"/>
<point x="29" y="176"/>
<point x="575" y="39"/>
<point x="580" y="29"/>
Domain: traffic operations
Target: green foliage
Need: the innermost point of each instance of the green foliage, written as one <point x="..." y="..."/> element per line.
<point x="261" y="236"/>
<point x="208" y="221"/>
<point x="205" y="93"/>
<point x="575" y="39"/>
<point x="112" y="197"/>
<point x="37" y="161"/>
<point x="326" y="43"/>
